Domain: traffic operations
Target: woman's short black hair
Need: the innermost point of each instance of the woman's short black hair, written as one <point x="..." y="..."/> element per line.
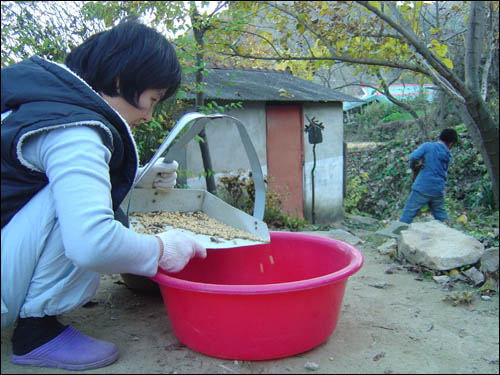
<point x="139" y="56"/>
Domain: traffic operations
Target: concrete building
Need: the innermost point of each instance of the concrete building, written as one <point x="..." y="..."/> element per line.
<point x="276" y="107"/>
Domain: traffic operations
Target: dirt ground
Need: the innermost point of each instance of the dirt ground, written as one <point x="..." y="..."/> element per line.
<point x="389" y="323"/>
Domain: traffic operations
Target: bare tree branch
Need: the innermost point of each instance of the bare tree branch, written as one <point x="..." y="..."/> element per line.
<point x="221" y="5"/>
<point x="440" y="81"/>
<point x="308" y="46"/>
<point x="414" y="68"/>
<point x="264" y="38"/>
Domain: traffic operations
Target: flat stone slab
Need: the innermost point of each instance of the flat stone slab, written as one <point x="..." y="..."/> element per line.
<point x="393" y="229"/>
<point x="437" y="246"/>
<point x="339" y="234"/>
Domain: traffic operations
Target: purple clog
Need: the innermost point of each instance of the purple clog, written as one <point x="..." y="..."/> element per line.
<point x="70" y="350"/>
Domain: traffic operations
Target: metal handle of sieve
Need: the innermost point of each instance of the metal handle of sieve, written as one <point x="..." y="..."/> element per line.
<point x="258" y="178"/>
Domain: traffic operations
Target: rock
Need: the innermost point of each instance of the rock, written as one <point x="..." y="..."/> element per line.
<point x="393" y="230"/>
<point x="342" y="235"/>
<point x="339" y="234"/>
<point x="476" y="276"/>
<point x="436" y="246"/>
<point x="490" y="285"/>
<point x="381" y="285"/>
<point x="312" y="366"/>
<point x="441" y="279"/>
<point x="362" y="219"/>
<point x="389" y="247"/>
<point x="489" y="260"/>
<point x="391" y="269"/>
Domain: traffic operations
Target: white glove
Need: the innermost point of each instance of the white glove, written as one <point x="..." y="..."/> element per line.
<point x="161" y="176"/>
<point x="178" y="249"/>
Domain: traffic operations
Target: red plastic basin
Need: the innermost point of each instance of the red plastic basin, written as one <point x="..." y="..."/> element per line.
<point x="260" y="302"/>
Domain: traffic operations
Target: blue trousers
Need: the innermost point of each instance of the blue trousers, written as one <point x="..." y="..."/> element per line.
<point x="416" y="201"/>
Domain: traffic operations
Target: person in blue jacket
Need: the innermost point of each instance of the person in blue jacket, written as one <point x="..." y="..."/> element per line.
<point x="68" y="161"/>
<point x="430" y="183"/>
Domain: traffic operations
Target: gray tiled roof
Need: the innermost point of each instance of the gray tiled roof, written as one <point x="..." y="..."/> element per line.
<point x="245" y="85"/>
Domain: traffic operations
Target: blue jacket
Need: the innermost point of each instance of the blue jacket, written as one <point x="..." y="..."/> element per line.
<point x="43" y="95"/>
<point x="432" y="177"/>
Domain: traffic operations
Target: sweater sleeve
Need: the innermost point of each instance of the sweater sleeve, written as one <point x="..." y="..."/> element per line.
<point x="419" y="153"/>
<point x="75" y="161"/>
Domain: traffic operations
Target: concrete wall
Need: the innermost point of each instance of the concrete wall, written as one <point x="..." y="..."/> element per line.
<point x="228" y="154"/>
<point x="328" y="174"/>
<point x="226" y="150"/>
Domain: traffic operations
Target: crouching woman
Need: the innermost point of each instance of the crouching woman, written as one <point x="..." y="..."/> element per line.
<point x="68" y="161"/>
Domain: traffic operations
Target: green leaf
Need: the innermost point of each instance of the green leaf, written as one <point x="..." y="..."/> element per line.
<point x="300" y="28"/>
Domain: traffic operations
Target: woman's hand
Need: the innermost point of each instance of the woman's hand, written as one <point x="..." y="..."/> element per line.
<point x="161" y="176"/>
<point x="178" y="249"/>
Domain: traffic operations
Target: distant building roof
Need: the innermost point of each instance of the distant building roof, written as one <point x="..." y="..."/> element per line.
<point x="369" y="94"/>
<point x="264" y="85"/>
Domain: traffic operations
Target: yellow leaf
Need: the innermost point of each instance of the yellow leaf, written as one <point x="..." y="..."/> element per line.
<point x="435" y="30"/>
<point x="266" y="34"/>
<point x="439" y="48"/>
<point x="285" y="93"/>
<point x="341" y="43"/>
<point x="376" y="4"/>
<point x="453" y="272"/>
<point x="324" y="8"/>
<point x="448" y="63"/>
<point x="441" y="51"/>
<point x="415" y="26"/>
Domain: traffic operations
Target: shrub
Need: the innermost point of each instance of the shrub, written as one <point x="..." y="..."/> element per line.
<point x="238" y="190"/>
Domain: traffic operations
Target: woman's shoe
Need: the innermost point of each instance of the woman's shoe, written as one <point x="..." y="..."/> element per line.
<point x="70" y="350"/>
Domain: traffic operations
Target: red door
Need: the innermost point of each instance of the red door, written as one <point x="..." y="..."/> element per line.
<point x="285" y="156"/>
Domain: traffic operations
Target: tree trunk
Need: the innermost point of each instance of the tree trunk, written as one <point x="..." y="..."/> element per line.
<point x="198" y="31"/>
<point x="477" y="116"/>
<point x="492" y="26"/>
<point x="485" y="135"/>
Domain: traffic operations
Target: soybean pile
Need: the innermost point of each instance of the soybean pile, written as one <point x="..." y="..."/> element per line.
<point x="195" y="221"/>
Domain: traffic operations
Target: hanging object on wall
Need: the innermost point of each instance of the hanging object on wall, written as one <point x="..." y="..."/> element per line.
<point x="314" y="130"/>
